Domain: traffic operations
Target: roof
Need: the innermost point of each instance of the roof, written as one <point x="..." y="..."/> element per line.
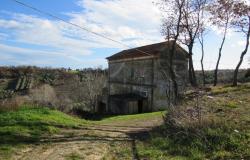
<point x="152" y="49"/>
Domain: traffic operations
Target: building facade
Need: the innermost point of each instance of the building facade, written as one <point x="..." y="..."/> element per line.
<point x="139" y="81"/>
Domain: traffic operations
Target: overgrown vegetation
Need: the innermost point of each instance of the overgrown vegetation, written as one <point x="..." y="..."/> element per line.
<point x="222" y="131"/>
<point x="63" y="89"/>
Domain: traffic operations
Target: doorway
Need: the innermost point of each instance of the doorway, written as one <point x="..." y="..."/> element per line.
<point x="140" y="106"/>
<point x="101" y="108"/>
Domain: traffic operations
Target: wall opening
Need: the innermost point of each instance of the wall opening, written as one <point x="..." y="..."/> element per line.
<point x="140" y="106"/>
<point x="101" y="108"/>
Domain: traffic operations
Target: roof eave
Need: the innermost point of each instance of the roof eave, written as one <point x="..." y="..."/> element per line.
<point x="133" y="59"/>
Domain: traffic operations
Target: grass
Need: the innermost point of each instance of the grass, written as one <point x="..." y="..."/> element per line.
<point x="29" y="121"/>
<point x="229" y="88"/>
<point x="214" y="143"/>
<point x="74" y="156"/>
<point x="126" y="118"/>
<point x="28" y="124"/>
<point x="224" y="132"/>
<point x="231" y="104"/>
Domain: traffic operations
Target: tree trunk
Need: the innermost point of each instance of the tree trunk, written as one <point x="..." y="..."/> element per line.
<point x="216" y="69"/>
<point x="172" y="72"/>
<point x="218" y="60"/>
<point x="172" y="53"/>
<point x="174" y="82"/>
<point x="193" y="72"/>
<point x="192" y="77"/>
<point x="235" y="78"/>
<point x="219" y="57"/>
<point x="202" y="58"/>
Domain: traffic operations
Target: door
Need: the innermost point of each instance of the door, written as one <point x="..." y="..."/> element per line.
<point x="140" y="106"/>
<point x="101" y="108"/>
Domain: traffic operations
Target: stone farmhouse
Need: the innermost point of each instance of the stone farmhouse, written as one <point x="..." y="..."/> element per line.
<point x="139" y="82"/>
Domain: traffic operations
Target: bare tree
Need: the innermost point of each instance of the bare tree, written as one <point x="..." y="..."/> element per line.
<point x="192" y="24"/>
<point x="201" y="36"/>
<point x="242" y="23"/>
<point x="183" y="24"/>
<point x="222" y="14"/>
<point x="171" y="30"/>
<point x="201" y="40"/>
<point x="94" y="82"/>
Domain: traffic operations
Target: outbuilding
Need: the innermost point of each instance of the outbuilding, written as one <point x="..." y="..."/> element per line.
<point x="139" y="81"/>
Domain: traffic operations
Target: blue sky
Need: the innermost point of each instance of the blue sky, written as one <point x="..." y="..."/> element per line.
<point x="30" y="38"/>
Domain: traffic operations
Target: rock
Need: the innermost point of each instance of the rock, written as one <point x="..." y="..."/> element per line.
<point x="210" y="97"/>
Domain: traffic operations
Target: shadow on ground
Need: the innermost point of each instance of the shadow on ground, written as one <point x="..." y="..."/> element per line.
<point x="128" y="134"/>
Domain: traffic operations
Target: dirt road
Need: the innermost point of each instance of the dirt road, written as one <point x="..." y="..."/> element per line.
<point x="89" y="143"/>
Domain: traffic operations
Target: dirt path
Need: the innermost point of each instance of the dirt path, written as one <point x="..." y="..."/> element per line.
<point x="88" y="143"/>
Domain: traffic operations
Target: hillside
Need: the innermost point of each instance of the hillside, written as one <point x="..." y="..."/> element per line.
<point x="222" y="132"/>
<point x="70" y="91"/>
<point x="63" y="89"/>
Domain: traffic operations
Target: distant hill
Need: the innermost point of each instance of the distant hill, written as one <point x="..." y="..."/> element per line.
<point x="63" y="89"/>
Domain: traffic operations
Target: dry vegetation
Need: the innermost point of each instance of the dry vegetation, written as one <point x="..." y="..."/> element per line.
<point x="65" y="90"/>
<point x="214" y="126"/>
<point x="208" y="124"/>
<point x="224" y="76"/>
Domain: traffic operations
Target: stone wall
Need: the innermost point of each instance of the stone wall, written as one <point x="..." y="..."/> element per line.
<point x="164" y="86"/>
<point x="135" y="71"/>
<point x="145" y="77"/>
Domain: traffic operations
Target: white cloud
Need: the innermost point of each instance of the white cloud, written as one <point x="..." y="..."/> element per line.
<point x="38" y="31"/>
<point x="132" y="22"/>
<point x="7" y="49"/>
<point x="10" y="24"/>
<point x="121" y="19"/>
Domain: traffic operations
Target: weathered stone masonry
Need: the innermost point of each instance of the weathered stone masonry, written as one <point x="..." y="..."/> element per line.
<point x="138" y="82"/>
